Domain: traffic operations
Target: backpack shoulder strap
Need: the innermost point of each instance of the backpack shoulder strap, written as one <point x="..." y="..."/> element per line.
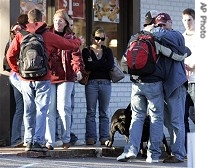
<point x="24" y="32"/>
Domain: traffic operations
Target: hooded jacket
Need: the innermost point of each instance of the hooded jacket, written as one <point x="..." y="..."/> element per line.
<point x="65" y="63"/>
<point x="52" y="43"/>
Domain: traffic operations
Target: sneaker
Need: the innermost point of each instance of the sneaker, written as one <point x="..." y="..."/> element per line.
<point x="78" y="143"/>
<point x="17" y="144"/>
<point x="28" y="147"/>
<point x="59" y="143"/>
<point x="90" y="141"/>
<point x="38" y="147"/>
<point x="150" y="160"/>
<point x="172" y="159"/>
<point x="124" y="157"/>
<point x="66" y="145"/>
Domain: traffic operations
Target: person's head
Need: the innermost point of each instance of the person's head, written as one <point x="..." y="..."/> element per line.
<point x="150" y="17"/>
<point x="22" y="20"/>
<point x="163" y="20"/>
<point x="98" y="35"/>
<point x="62" y="21"/>
<point x="34" y="15"/>
<point x="188" y="19"/>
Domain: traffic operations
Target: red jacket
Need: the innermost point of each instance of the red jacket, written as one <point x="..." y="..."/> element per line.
<point x="51" y="40"/>
<point x="65" y="63"/>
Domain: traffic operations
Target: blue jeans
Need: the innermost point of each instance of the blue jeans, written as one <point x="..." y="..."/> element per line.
<point x="60" y="103"/>
<point x="74" y="138"/>
<point x="19" y="110"/>
<point x="97" y="91"/>
<point x="36" y="97"/>
<point x="146" y="97"/>
<point x="174" y="120"/>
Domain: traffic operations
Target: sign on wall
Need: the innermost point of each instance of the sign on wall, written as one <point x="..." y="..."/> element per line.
<point x="75" y="8"/>
<point x="26" y="5"/>
<point x="106" y="10"/>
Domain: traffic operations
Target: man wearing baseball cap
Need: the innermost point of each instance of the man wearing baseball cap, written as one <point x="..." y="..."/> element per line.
<point x="163" y="20"/>
<point x="175" y="82"/>
<point x="142" y="99"/>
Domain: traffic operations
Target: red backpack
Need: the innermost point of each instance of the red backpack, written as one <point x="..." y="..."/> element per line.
<point x="141" y="55"/>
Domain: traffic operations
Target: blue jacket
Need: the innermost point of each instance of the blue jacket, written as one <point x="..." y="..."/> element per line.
<point x="174" y="74"/>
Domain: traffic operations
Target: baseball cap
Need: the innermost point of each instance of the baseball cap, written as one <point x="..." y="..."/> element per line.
<point x="162" y="18"/>
<point x="150" y="16"/>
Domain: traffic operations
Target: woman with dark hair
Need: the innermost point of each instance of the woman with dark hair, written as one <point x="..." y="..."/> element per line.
<point x="99" y="60"/>
<point x="16" y="139"/>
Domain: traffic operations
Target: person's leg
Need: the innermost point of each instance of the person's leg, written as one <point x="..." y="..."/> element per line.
<point x="29" y="116"/>
<point x="167" y="123"/>
<point x="155" y="107"/>
<point x="17" y="118"/>
<point x="91" y="94"/>
<point x="176" y="108"/>
<point x="103" y="108"/>
<point x="191" y="91"/>
<point x="51" y="118"/>
<point x="64" y="109"/>
<point x="139" y="111"/>
<point x="42" y="101"/>
<point x="186" y="118"/>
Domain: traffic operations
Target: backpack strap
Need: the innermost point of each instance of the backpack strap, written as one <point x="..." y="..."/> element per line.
<point x="24" y="32"/>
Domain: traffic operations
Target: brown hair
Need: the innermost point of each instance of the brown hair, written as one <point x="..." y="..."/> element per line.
<point x="22" y="20"/>
<point x="34" y="15"/>
<point x="189" y="11"/>
<point x="98" y="30"/>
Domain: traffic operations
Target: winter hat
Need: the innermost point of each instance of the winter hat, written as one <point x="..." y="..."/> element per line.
<point x="162" y="18"/>
<point x="150" y="17"/>
<point x="63" y="14"/>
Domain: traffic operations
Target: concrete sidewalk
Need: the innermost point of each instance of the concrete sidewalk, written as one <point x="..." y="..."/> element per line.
<point x="95" y="151"/>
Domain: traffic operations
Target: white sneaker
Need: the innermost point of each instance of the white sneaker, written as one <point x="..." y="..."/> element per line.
<point x="124" y="157"/>
<point x="58" y="143"/>
<point x="150" y="160"/>
<point x="78" y="143"/>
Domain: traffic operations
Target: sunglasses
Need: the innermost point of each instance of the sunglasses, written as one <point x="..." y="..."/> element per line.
<point x="99" y="38"/>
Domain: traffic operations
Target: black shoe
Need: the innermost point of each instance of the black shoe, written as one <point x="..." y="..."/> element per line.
<point x="172" y="159"/>
<point x="38" y="147"/>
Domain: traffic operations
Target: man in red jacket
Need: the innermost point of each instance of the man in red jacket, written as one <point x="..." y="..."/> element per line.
<point x="36" y="91"/>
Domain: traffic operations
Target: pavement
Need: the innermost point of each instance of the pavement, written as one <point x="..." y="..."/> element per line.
<point x="96" y="150"/>
<point x="84" y="151"/>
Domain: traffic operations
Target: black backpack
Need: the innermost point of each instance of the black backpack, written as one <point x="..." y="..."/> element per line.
<point x="32" y="60"/>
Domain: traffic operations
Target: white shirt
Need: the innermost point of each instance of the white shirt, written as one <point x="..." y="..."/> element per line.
<point x="190" y="61"/>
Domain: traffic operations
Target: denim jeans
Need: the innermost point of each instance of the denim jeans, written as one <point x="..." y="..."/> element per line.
<point x="97" y="91"/>
<point x="146" y="97"/>
<point x="19" y="110"/>
<point x="36" y="97"/>
<point x="74" y="138"/>
<point x="174" y="120"/>
<point x="60" y="102"/>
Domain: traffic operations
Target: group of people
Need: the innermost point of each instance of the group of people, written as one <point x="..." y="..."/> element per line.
<point x="42" y="101"/>
<point x="163" y="93"/>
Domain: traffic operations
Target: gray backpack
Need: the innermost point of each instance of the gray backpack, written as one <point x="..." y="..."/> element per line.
<point x="32" y="60"/>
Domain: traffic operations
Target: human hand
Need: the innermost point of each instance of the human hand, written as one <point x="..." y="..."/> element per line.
<point x="16" y="28"/>
<point x="82" y="39"/>
<point x="79" y="76"/>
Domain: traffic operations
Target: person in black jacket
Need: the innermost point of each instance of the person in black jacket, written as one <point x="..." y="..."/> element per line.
<point x="99" y="60"/>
